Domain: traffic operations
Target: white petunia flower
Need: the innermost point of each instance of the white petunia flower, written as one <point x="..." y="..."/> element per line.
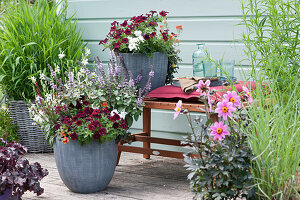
<point x="138" y="33"/>
<point x="85" y="61"/>
<point x="61" y="55"/>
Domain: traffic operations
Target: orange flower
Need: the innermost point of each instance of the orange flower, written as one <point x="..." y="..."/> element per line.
<point x="104" y="104"/>
<point x="165" y="21"/>
<point x="63" y="134"/>
<point x="174" y="65"/>
<point x="177" y="41"/>
<point x="179" y="27"/>
<point x="161" y="26"/>
<point x="66" y="140"/>
<point x="179" y="51"/>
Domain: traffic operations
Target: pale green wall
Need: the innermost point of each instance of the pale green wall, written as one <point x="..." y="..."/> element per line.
<point x="214" y="22"/>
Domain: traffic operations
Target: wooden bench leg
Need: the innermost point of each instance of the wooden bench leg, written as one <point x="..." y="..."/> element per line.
<point x="119" y="152"/>
<point x="146" y="129"/>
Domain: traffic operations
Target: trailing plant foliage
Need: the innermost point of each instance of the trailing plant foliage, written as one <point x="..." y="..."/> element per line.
<point x="32" y="36"/>
<point x="146" y="34"/>
<point x="219" y="158"/>
<point x="17" y="173"/>
<point x="8" y="129"/>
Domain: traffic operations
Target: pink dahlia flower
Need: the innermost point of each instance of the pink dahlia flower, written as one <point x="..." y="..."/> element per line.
<point x="219" y="130"/>
<point x="203" y="88"/>
<point x="233" y="97"/>
<point x="178" y="109"/>
<point x="247" y="94"/>
<point x="225" y="109"/>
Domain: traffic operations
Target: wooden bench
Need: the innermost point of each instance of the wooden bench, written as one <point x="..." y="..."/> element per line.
<point x="145" y="135"/>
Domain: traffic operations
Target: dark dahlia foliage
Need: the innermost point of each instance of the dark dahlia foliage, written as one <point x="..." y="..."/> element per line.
<point x="221" y="171"/>
<point x="17" y="173"/>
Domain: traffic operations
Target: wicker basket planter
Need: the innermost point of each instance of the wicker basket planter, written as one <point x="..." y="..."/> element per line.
<point x="30" y="135"/>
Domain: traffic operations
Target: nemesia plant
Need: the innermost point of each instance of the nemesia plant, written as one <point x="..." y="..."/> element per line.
<point x="146" y="34"/>
<point x="218" y="156"/>
<point x="90" y="105"/>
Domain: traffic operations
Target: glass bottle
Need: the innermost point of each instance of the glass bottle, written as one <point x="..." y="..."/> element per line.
<point x="198" y="60"/>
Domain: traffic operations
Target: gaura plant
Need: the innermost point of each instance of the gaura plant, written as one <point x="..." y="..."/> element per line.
<point x="218" y="157"/>
<point x="146" y="34"/>
<point x="90" y="105"/>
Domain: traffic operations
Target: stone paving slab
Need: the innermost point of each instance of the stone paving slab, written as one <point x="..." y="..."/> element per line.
<point x="136" y="178"/>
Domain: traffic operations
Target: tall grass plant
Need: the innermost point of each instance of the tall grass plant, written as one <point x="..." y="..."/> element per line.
<point x="32" y="36"/>
<point x="272" y="45"/>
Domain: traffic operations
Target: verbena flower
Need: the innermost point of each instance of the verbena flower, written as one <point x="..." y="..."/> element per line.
<point x="248" y="94"/>
<point x="219" y="130"/>
<point x="233" y="97"/>
<point x="225" y="109"/>
<point x="178" y="109"/>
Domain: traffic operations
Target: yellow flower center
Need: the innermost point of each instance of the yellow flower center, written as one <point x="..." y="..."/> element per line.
<point x="219" y="130"/>
<point x="249" y="94"/>
<point x="178" y="109"/>
<point x="224" y="109"/>
<point x="232" y="100"/>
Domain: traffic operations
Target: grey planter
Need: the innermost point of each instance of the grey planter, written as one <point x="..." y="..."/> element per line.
<point x="30" y="135"/>
<point x="88" y="168"/>
<point x="137" y="63"/>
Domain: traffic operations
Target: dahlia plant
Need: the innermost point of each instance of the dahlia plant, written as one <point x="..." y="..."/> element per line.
<point x="218" y="156"/>
<point x="90" y="105"/>
<point x="145" y="34"/>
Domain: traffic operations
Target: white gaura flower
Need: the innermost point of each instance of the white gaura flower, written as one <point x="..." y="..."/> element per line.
<point x="42" y="76"/>
<point x="87" y="51"/>
<point x="32" y="78"/>
<point x="85" y="61"/>
<point x="61" y="55"/>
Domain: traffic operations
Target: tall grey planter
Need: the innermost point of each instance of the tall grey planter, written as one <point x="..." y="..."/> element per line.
<point x="30" y="135"/>
<point x="137" y="63"/>
<point x="88" y="168"/>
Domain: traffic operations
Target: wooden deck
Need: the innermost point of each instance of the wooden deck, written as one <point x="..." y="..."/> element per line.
<point x="157" y="178"/>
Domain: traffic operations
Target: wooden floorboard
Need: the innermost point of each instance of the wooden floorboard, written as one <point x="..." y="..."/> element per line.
<point x="135" y="179"/>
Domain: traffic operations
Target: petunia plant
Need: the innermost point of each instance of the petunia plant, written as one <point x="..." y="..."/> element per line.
<point x="146" y="34"/>
<point x="91" y="105"/>
<point x="218" y="156"/>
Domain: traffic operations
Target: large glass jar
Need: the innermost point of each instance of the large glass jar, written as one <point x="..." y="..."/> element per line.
<point x="198" y="60"/>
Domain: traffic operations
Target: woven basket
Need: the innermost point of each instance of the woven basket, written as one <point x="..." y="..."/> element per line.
<point x="30" y="135"/>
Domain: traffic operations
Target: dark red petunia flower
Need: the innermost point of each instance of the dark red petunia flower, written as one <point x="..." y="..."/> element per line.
<point x="114" y="22"/>
<point x="127" y="32"/>
<point x="88" y="119"/>
<point x="92" y="127"/>
<point x="69" y="122"/>
<point x="102" y="131"/>
<point x="113" y="28"/>
<point x="57" y="126"/>
<point x="153" y="34"/>
<point x="117" y="45"/>
<point x="73" y="136"/>
<point x="78" y="105"/>
<point x="96" y="136"/>
<point x="117" y="116"/>
<point x="116" y="125"/>
<point x="165" y="36"/>
<point x="153" y="12"/>
<point x="147" y="37"/>
<point x="152" y="23"/>
<point x="124" y="23"/>
<point x="125" y="40"/>
<point x="163" y="13"/>
<point x="88" y="110"/>
<point x="78" y="122"/>
<point x="124" y="125"/>
<point x="86" y="103"/>
<point x="117" y="36"/>
<point x="96" y="111"/>
<point x="58" y="109"/>
<point x="96" y="123"/>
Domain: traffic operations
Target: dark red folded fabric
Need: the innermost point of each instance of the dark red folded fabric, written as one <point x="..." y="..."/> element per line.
<point x="171" y="92"/>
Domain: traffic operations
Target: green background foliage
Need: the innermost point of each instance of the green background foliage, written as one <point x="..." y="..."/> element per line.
<point x="8" y="130"/>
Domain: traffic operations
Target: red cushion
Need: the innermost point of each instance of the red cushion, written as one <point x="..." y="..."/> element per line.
<point x="171" y="92"/>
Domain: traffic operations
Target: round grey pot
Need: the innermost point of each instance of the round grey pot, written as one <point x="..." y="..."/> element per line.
<point x="137" y="63"/>
<point x="88" y="168"/>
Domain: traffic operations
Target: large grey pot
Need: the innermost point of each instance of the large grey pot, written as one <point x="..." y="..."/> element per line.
<point x="88" y="168"/>
<point x="137" y="63"/>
